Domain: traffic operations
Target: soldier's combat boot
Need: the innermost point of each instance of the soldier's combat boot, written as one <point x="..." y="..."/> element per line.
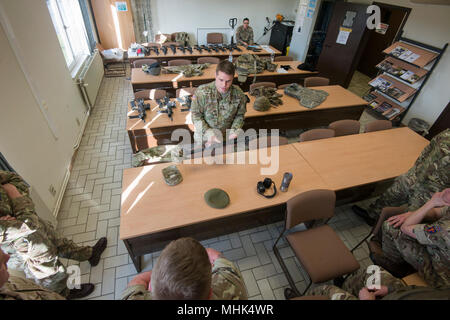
<point x="364" y="215"/>
<point x="85" y="290"/>
<point x="97" y="251"/>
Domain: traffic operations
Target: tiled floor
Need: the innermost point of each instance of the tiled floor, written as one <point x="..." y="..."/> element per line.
<point x="91" y="209"/>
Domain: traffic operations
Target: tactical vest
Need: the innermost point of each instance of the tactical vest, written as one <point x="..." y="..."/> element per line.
<point x="252" y="64"/>
<point x="308" y="98"/>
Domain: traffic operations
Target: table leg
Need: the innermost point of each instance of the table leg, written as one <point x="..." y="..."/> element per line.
<point x="136" y="259"/>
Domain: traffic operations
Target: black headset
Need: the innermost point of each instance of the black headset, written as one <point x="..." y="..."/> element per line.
<point x="262" y="186"/>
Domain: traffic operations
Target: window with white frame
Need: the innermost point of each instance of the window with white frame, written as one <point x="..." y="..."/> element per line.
<point x="70" y="29"/>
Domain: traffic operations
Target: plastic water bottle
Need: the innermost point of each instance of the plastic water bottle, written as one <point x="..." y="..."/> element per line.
<point x="272" y="56"/>
<point x="230" y="57"/>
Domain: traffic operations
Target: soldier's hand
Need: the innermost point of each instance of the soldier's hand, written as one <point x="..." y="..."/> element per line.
<point x="11" y="191"/>
<point x="381" y="292"/>
<point x="365" y="294"/>
<point x="441" y="199"/>
<point x="213" y="254"/>
<point x="399" y="219"/>
<point x="232" y="136"/>
<point x="7" y="218"/>
<point x="212" y="140"/>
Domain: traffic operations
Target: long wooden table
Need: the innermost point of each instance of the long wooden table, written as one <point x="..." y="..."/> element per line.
<point x="153" y="214"/>
<point x="161" y="57"/>
<point x="340" y="104"/>
<point x="171" y="82"/>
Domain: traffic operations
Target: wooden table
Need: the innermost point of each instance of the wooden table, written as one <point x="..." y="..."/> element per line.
<point x="171" y="81"/>
<point x="359" y="159"/>
<point x="340" y="104"/>
<point x="163" y="58"/>
<point x="154" y="213"/>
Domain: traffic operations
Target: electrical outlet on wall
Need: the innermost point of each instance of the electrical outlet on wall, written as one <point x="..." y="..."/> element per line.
<point x="52" y="190"/>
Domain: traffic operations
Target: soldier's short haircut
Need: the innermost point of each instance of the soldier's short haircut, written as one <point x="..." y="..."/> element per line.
<point x="226" y="67"/>
<point x="182" y="272"/>
<point x="245" y="19"/>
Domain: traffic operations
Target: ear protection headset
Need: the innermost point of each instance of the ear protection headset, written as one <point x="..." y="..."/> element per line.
<point x="262" y="186"/>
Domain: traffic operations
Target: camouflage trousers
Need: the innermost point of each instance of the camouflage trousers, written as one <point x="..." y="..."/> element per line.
<point x="37" y="255"/>
<point x="406" y="189"/>
<point x="354" y="283"/>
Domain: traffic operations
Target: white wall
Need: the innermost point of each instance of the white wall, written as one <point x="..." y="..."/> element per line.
<point x="429" y="24"/>
<point x="178" y="15"/>
<point x="26" y="139"/>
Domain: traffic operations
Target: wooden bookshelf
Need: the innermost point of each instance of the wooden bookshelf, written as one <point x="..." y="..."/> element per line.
<point x="399" y="48"/>
<point x="401" y="70"/>
<point x="393" y="88"/>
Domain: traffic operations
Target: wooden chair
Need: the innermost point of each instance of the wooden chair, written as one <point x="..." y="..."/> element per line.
<point x="112" y="68"/>
<point x="262" y="84"/>
<point x="378" y="125"/>
<point x="320" y="251"/>
<point x="214" y="38"/>
<point x="316" y="81"/>
<point x="185" y="92"/>
<point x="138" y="63"/>
<point x="161" y="38"/>
<point x="316" y="134"/>
<point x="212" y="60"/>
<point x="179" y="62"/>
<point x="283" y="58"/>
<point x="345" y="127"/>
<point x="151" y="94"/>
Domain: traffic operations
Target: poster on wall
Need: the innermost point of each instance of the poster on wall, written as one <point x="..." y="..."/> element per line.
<point x="121" y="6"/>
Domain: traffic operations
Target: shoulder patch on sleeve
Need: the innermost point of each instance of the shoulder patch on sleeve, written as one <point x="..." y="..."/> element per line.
<point x="432" y="229"/>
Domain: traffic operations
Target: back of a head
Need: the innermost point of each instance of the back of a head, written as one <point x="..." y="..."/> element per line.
<point x="182" y="272"/>
<point x="226" y="67"/>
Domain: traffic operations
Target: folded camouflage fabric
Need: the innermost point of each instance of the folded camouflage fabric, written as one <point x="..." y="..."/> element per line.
<point x="182" y="38"/>
<point x="166" y="153"/>
<point x="252" y="64"/>
<point x="189" y="70"/>
<point x="308" y="98"/>
<point x="270" y="93"/>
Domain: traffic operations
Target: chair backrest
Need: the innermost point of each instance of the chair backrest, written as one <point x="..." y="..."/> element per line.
<point x="283" y="58"/>
<point x="269" y="142"/>
<point x="316" y="134"/>
<point x="345" y="127"/>
<point x="179" y="62"/>
<point x="316" y="81"/>
<point x="378" y="125"/>
<point x="185" y="92"/>
<point x="160" y="38"/>
<point x="310" y="205"/>
<point x="212" y="60"/>
<point x="214" y="38"/>
<point x="139" y="62"/>
<point x="282" y="86"/>
<point x="262" y="84"/>
<point x="152" y="94"/>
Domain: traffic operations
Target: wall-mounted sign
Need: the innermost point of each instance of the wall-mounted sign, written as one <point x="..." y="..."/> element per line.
<point x="343" y="35"/>
<point x="121" y="6"/>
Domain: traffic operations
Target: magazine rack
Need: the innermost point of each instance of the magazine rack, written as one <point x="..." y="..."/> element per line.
<point x="402" y="74"/>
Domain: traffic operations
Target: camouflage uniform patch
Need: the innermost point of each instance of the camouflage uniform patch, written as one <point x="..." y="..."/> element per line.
<point x="430" y="174"/>
<point x="244" y="35"/>
<point x="429" y="254"/>
<point x="213" y="110"/>
<point x="33" y="244"/>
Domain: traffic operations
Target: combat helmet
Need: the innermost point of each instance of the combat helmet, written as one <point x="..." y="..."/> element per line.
<point x="261" y="104"/>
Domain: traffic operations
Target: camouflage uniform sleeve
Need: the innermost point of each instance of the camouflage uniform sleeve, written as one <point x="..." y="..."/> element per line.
<point x="197" y="111"/>
<point x="227" y="282"/>
<point x="238" y="121"/>
<point x="250" y="40"/>
<point x="23" y="208"/>
<point x="434" y="234"/>
<point x="137" y="292"/>
<point x="14" y="179"/>
<point x="238" y="35"/>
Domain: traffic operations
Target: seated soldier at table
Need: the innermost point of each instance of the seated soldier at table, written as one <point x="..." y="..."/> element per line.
<point x="185" y="270"/>
<point x="218" y="105"/>
<point x="244" y="33"/>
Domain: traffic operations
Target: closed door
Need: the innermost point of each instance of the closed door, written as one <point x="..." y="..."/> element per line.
<point x="342" y="48"/>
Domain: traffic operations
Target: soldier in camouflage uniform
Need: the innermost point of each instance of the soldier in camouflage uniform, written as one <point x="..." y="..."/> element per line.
<point x="359" y="285"/>
<point x="15" y="288"/>
<point x="20" y="226"/>
<point x="430" y="174"/>
<point x="244" y="34"/>
<point x="425" y="246"/>
<point x="219" y="105"/>
<point x="185" y="270"/>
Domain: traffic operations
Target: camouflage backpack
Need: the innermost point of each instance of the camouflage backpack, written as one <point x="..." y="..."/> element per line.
<point x="188" y="70"/>
<point x="182" y="38"/>
<point x="252" y="64"/>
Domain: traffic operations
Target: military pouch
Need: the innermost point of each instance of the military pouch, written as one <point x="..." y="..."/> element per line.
<point x="172" y="176"/>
